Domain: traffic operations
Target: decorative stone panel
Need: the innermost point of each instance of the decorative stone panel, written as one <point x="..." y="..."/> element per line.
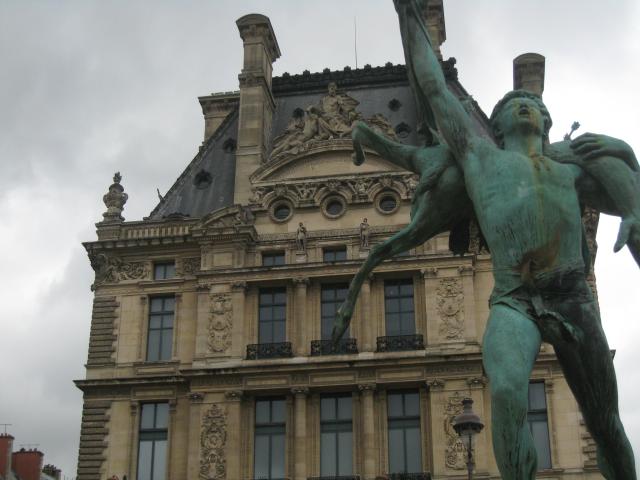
<point x="93" y="434"/>
<point x="102" y="337"/>
<point x="220" y="323"/>
<point x="450" y="305"/>
<point x="455" y="451"/>
<point x="213" y="440"/>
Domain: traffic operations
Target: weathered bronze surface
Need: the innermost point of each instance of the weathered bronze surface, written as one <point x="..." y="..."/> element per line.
<point x="527" y="196"/>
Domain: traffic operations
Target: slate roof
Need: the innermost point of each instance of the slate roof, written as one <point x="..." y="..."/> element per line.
<point x="373" y="87"/>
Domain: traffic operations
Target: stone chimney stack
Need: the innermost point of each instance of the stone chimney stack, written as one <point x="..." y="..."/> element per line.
<point x="52" y="471"/>
<point x="433" y="16"/>
<point x="27" y="463"/>
<point x="256" y="99"/>
<point x="6" y="449"/>
<point x="528" y="73"/>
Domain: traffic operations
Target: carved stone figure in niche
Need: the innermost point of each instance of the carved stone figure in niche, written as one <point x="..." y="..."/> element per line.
<point x="364" y="234"/>
<point x="301" y="238"/>
<point x="450" y="308"/>
<point x="115" y="200"/>
<point x="220" y="323"/>
<point x="213" y="440"/>
<point x="332" y="118"/>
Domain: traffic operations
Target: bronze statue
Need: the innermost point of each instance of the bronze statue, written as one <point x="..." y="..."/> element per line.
<point x="527" y="197"/>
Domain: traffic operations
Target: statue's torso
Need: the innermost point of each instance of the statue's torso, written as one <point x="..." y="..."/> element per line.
<point x="528" y="210"/>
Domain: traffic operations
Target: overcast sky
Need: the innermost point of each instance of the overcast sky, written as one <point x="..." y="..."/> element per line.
<point x="88" y="88"/>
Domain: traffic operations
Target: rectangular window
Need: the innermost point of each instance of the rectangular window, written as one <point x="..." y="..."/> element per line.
<point x="160" y="335"/>
<point x="336" y="436"/>
<point x="272" y="315"/>
<point x="271" y="259"/>
<point x="403" y="414"/>
<point x="152" y="444"/>
<point x="331" y="298"/>
<point x="538" y="424"/>
<point x="268" y="461"/>
<point x="398" y="307"/>
<point x="164" y="270"/>
<point x="334" y="254"/>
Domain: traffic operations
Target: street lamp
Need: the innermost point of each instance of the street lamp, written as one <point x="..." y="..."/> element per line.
<point x="466" y="425"/>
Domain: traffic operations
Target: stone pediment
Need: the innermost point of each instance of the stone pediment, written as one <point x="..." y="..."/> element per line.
<point x="330" y="156"/>
<point x="226" y="221"/>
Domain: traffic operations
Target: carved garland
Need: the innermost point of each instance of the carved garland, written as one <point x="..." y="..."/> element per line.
<point x="110" y="269"/>
<point x="450" y="307"/>
<point x="213" y="439"/>
<point x="220" y="323"/>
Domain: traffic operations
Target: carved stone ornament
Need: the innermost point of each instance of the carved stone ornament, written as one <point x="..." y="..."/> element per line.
<point x="188" y="266"/>
<point x="110" y="269"/>
<point x="332" y="118"/>
<point x="455" y="452"/>
<point x="450" y="308"/>
<point x="220" y="323"/>
<point x="115" y="200"/>
<point x="213" y="439"/>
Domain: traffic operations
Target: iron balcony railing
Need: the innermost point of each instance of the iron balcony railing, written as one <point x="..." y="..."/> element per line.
<point x="269" y="350"/>
<point x="398" y="343"/>
<point x="409" y="476"/>
<point x="325" y="347"/>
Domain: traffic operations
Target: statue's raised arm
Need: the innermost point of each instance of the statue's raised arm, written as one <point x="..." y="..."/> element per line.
<point x="429" y="82"/>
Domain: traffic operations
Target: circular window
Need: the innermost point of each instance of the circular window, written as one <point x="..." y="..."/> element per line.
<point x="281" y="211"/>
<point x="334" y="206"/>
<point x="388" y="202"/>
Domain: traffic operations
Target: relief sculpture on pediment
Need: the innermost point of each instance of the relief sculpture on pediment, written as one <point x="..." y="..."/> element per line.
<point x="332" y="118"/>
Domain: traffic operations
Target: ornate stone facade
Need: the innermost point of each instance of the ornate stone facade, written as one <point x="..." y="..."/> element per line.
<point x="450" y="301"/>
<point x="220" y="323"/>
<point x="213" y="440"/>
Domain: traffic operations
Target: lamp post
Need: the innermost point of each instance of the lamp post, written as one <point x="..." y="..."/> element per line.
<point x="466" y="425"/>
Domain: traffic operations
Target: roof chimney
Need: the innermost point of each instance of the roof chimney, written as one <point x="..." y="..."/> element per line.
<point x="528" y="73"/>
<point x="6" y="449"/>
<point x="27" y="463"/>
<point x="433" y="16"/>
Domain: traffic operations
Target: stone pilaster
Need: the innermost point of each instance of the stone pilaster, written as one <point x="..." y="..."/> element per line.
<point x="367" y="329"/>
<point x="300" y="327"/>
<point x="256" y="100"/>
<point x="234" y="440"/>
<point x="368" y="431"/>
<point x="300" y="431"/>
<point x="238" y="298"/>
<point x="193" y="448"/>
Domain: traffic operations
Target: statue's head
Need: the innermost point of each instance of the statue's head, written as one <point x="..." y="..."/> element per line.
<point x="333" y="88"/>
<point x="517" y="111"/>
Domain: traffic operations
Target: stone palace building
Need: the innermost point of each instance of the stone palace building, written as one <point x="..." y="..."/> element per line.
<point x="209" y="355"/>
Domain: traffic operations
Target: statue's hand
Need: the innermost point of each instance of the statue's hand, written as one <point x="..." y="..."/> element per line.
<point x="340" y="324"/>
<point x="592" y="145"/>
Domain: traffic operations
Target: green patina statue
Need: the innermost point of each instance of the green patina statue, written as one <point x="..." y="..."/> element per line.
<point x="527" y="196"/>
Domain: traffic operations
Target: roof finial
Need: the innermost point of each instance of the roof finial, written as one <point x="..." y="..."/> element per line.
<point x="115" y="200"/>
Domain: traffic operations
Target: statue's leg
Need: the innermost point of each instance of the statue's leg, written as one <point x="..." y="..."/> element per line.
<point x="424" y="225"/>
<point x="510" y="346"/>
<point x="588" y="368"/>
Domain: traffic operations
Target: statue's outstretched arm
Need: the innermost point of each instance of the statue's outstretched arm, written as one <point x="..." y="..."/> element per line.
<point x="452" y="120"/>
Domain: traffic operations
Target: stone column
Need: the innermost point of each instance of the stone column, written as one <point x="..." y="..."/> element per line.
<point x="238" y="298"/>
<point x="193" y="447"/>
<point x="234" y="451"/>
<point x="256" y="100"/>
<point x="300" y="432"/>
<point x="300" y="321"/>
<point x="430" y="287"/>
<point x="368" y="431"/>
<point x="367" y="322"/>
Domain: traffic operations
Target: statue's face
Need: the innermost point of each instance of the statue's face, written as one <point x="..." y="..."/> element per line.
<point x="332" y="89"/>
<point x="521" y="116"/>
